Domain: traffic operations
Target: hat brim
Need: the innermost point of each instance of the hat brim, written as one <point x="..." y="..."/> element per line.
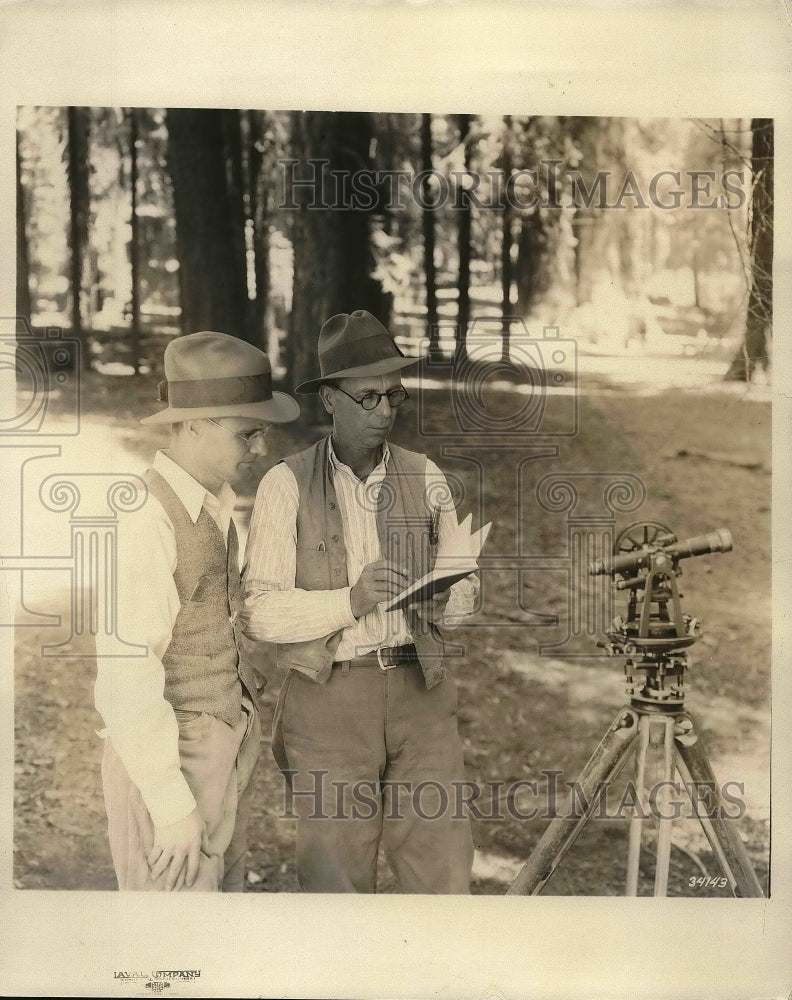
<point x="384" y="367"/>
<point x="281" y="409"/>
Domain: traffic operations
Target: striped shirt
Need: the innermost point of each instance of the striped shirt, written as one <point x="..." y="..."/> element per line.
<point x="275" y="611"/>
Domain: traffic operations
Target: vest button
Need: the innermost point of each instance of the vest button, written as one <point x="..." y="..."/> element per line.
<point x="334" y="538"/>
<point x="336" y="572"/>
<point x="331" y="505"/>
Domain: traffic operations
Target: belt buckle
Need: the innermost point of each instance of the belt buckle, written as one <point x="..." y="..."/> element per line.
<point x="383" y="666"/>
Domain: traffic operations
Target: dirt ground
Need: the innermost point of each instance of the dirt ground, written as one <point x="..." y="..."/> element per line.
<point x="703" y="455"/>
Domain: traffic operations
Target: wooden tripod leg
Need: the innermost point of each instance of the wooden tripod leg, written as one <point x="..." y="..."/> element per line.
<point x="603" y="765"/>
<point x="638" y="812"/>
<point x="665" y="822"/>
<point x="722" y="833"/>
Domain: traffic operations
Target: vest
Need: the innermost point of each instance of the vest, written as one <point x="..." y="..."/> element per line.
<point x="403" y="515"/>
<point x="204" y="671"/>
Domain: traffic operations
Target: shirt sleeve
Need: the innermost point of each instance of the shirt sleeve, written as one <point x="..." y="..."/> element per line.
<point x="463" y="598"/>
<point x="130" y="690"/>
<point x="274" y="610"/>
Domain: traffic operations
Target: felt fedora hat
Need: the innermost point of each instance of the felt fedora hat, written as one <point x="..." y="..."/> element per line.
<point x="355" y="344"/>
<point x="213" y="375"/>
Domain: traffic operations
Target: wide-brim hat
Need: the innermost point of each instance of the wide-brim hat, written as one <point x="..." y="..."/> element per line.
<point x="355" y="344"/>
<point x="214" y="375"/>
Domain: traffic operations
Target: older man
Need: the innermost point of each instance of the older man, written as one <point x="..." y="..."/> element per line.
<point x="183" y="732"/>
<point x="365" y="728"/>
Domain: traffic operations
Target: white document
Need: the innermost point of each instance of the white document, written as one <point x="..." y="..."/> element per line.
<point x="457" y="559"/>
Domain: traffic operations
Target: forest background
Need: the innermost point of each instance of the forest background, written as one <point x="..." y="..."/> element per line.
<point x="645" y="243"/>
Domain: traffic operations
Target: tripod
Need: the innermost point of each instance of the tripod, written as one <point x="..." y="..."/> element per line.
<point x="652" y="639"/>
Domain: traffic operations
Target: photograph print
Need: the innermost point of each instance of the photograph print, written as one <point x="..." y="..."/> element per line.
<point x="273" y="369"/>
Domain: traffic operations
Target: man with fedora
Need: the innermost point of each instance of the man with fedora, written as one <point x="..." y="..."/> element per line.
<point x="182" y="729"/>
<point x="365" y="729"/>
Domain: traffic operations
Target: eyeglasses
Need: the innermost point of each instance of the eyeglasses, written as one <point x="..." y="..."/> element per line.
<point x="249" y="437"/>
<point x="371" y="399"/>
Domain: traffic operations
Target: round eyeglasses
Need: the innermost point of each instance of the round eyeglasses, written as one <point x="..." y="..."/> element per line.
<point x="249" y="437"/>
<point x="371" y="399"/>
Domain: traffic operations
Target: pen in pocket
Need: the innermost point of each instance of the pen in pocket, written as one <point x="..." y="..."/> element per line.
<point x="434" y="526"/>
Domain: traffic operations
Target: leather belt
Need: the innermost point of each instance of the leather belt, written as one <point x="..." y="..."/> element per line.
<point x="386" y="657"/>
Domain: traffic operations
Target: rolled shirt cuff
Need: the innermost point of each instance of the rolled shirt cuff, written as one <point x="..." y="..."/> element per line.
<point x="168" y="799"/>
<point x="341" y="608"/>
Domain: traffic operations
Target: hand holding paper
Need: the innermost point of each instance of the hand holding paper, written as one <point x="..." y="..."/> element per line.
<point x="457" y="559"/>
<point x="433" y="608"/>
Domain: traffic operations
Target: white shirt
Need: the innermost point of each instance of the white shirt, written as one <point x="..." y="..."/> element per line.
<point x="129" y="691"/>
<point x="275" y="611"/>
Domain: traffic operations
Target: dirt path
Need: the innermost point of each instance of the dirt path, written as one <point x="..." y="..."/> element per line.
<point x="520" y="713"/>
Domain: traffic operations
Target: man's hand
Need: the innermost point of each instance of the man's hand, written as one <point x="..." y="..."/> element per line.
<point x="379" y="581"/>
<point x="176" y="851"/>
<point x="433" y="609"/>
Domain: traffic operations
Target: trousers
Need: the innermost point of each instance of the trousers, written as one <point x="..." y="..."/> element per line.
<point x="372" y="757"/>
<point x="218" y="761"/>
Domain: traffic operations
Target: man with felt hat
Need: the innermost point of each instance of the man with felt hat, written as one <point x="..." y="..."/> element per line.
<point x="182" y="727"/>
<point x="365" y="728"/>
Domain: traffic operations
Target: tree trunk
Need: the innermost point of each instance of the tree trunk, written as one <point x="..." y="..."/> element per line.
<point x="239" y="202"/>
<point x="134" y="239"/>
<point x="386" y="128"/>
<point x="332" y="255"/>
<point x="591" y="229"/>
<point x="211" y="253"/>
<point x="258" y="214"/>
<point x="602" y="142"/>
<point x="758" y="324"/>
<point x="79" y="208"/>
<point x="465" y="225"/>
<point x="428" y="220"/>
<point x="506" y="241"/>
<point x="530" y="249"/>
<point x="23" y="303"/>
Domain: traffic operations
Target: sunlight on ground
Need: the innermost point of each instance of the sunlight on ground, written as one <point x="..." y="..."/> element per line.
<point x="100" y="455"/>
<point x="640" y="370"/>
<point x="590" y="689"/>
<point x="92" y="461"/>
<point x="497" y="867"/>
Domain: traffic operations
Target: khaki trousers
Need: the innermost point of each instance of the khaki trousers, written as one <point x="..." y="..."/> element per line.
<point x="218" y="762"/>
<point x="372" y="757"/>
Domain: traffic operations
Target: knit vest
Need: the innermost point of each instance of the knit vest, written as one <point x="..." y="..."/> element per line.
<point x="203" y="665"/>
<point x="403" y="517"/>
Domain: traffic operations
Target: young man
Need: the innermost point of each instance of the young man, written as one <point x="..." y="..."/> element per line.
<point x="183" y="733"/>
<point x="365" y="729"/>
